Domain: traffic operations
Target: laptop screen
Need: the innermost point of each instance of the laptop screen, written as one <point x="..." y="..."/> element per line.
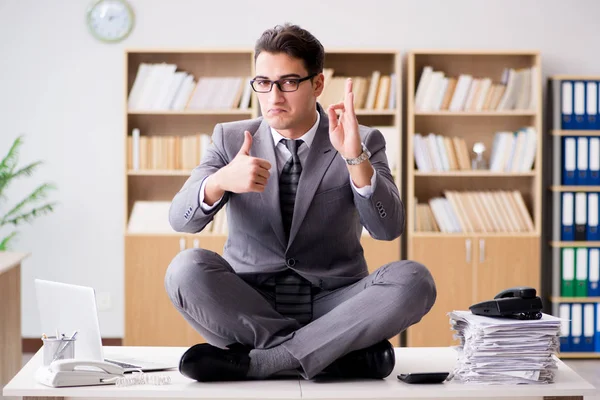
<point x="69" y="308"/>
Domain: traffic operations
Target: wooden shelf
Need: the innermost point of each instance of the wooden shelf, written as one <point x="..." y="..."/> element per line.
<point x="579" y="355"/>
<point x="574" y="244"/>
<point x="473" y="234"/>
<point x="558" y="299"/>
<point x="475" y="52"/>
<point x="150" y="172"/>
<point x="557" y="132"/>
<point x="191" y="112"/>
<point x="375" y="112"/>
<point x="174" y="234"/>
<point x="575" y="188"/>
<point x="519" y="113"/>
<point x="465" y="174"/>
<point x="575" y="77"/>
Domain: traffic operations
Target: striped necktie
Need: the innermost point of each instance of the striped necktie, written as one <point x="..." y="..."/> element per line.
<point x="288" y="184"/>
<point x="293" y="293"/>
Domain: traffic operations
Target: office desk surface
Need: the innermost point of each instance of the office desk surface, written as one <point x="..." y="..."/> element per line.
<point x="567" y="382"/>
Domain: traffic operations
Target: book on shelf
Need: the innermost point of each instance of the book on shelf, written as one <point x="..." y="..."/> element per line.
<point x="474" y="212"/>
<point x="511" y="152"/>
<point x="159" y="87"/>
<point x="152" y="217"/>
<point x="516" y="89"/>
<point x="165" y="152"/>
<point x="377" y="92"/>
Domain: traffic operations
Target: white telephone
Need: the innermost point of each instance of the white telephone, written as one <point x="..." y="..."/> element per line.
<point x="71" y="372"/>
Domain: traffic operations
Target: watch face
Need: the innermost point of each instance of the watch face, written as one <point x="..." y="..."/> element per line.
<point x="110" y="20"/>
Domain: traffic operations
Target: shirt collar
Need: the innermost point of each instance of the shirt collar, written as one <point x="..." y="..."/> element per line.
<point x="308" y="137"/>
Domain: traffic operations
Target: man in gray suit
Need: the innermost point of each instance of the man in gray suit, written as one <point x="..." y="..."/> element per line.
<point x="292" y="290"/>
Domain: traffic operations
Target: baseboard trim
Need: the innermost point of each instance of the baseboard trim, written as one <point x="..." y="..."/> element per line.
<point x="31" y="345"/>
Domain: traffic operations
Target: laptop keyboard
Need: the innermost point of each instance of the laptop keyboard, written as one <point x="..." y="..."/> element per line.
<point x="122" y="364"/>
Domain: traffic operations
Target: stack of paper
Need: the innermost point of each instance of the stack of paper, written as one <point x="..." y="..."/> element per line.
<point x="504" y="350"/>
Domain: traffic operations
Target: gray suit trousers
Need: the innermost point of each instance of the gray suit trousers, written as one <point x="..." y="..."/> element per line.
<point x="226" y="309"/>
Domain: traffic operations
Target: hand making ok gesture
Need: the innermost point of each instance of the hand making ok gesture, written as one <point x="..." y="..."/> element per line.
<point x="343" y="133"/>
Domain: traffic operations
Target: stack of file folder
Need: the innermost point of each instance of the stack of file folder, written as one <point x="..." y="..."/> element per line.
<point x="495" y="350"/>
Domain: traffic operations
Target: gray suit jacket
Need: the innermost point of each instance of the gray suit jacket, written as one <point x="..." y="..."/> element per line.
<point x="324" y="244"/>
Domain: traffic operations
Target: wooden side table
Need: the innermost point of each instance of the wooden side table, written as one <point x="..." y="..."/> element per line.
<point x="10" y="315"/>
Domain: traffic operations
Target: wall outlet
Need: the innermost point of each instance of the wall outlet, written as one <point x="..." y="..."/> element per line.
<point x="103" y="301"/>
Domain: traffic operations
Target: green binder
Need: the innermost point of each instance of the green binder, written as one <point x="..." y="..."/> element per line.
<point x="567" y="281"/>
<point x="581" y="272"/>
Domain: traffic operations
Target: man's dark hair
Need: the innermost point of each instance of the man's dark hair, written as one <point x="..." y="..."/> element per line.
<point x="295" y="42"/>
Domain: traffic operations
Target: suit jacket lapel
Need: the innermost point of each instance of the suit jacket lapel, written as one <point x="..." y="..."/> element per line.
<point x="262" y="147"/>
<point x="319" y="158"/>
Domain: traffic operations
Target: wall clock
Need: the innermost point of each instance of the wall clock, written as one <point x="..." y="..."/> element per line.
<point x="110" y="20"/>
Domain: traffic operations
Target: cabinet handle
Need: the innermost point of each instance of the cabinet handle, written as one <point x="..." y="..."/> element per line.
<point x="182" y="244"/>
<point x="481" y="250"/>
<point x="468" y="250"/>
<point x="196" y="243"/>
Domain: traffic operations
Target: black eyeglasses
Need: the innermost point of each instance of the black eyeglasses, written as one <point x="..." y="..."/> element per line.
<point x="285" y="84"/>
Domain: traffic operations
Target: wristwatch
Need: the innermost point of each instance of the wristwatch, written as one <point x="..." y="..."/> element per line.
<point x="365" y="155"/>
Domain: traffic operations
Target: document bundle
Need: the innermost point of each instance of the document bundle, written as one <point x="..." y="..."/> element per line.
<point x="505" y="350"/>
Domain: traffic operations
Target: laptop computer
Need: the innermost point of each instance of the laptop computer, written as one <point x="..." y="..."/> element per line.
<point x="71" y="308"/>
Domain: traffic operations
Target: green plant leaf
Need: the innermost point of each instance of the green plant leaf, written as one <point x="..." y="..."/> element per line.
<point x="40" y="193"/>
<point x="9" y="162"/>
<point x="28" y="170"/>
<point x="29" y="216"/>
<point x="4" y="244"/>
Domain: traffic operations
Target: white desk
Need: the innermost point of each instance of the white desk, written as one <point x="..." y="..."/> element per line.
<point x="567" y="384"/>
<point x="10" y="315"/>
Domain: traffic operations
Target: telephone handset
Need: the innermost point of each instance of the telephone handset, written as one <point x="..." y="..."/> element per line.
<point x="518" y="302"/>
<point x="71" y="372"/>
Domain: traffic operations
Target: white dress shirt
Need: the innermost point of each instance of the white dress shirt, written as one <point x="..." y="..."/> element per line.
<point x="282" y="154"/>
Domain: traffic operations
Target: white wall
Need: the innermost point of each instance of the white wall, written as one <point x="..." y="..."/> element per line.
<point x="63" y="89"/>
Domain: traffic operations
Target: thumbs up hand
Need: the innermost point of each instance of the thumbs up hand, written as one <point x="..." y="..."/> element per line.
<point x="244" y="173"/>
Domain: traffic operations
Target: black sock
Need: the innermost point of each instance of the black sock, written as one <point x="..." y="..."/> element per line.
<point x="266" y="362"/>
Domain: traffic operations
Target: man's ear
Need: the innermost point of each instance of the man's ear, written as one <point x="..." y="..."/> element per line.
<point x="318" y="84"/>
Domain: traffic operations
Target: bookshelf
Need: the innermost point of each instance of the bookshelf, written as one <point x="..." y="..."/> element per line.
<point x="573" y="186"/>
<point x="477" y="230"/>
<point x="150" y="318"/>
<point x="152" y="179"/>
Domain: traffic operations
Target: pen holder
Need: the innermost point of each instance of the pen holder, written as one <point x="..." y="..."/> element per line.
<point x="58" y="349"/>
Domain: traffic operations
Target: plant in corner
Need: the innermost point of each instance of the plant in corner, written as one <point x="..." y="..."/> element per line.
<point x="29" y="208"/>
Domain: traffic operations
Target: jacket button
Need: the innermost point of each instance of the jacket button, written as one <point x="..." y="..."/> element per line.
<point x="378" y="204"/>
<point x="290" y="262"/>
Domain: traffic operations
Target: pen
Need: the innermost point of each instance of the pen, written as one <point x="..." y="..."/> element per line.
<point x="63" y="347"/>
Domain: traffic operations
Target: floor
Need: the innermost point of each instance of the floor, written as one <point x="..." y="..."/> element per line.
<point x="587" y="369"/>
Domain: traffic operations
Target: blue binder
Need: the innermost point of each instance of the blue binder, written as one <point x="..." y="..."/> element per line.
<point x="594" y="160"/>
<point x="593" y="231"/>
<point x="591" y="104"/>
<point x="597" y="338"/>
<point x="568" y="217"/>
<point x="569" y="166"/>
<point x="577" y="327"/>
<point x="564" y="312"/>
<point x="583" y="158"/>
<point x="579" y="111"/>
<point x="566" y="98"/>
<point x="589" y="327"/>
